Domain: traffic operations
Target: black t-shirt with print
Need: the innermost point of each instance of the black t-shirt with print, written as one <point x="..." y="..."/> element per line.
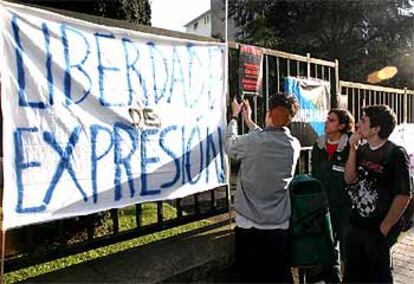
<point x="383" y="173"/>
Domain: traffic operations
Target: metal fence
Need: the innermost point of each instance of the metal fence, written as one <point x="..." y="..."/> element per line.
<point x="277" y="66"/>
<point x="105" y="228"/>
<point x="360" y="95"/>
<point x="45" y="242"/>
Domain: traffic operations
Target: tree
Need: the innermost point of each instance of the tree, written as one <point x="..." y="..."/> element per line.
<point x="134" y="11"/>
<point x="363" y="35"/>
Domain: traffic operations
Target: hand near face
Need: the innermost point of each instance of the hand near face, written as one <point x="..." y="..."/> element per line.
<point x="354" y="140"/>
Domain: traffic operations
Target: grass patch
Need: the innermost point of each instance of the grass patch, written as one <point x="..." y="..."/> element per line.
<point x="127" y="221"/>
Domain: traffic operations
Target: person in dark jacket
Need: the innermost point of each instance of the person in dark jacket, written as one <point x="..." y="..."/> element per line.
<point x="329" y="155"/>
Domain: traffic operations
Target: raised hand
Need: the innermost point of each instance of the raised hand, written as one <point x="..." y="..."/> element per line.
<point x="247" y="110"/>
<point x="236" y="107"/>
<point x="354" y="140"/>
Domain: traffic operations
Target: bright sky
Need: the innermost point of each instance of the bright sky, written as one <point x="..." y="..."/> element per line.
<point x="174" y="14"/>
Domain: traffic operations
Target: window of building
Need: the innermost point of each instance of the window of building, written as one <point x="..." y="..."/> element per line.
<point x="195" y="25"/>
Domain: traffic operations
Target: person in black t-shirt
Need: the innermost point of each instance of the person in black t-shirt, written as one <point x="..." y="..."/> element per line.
<point x="377" y="173"/>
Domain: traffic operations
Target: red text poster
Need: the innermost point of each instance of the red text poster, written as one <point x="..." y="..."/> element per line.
<point x="251" y="64"/>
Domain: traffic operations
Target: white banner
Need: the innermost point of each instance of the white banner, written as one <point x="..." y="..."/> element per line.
<point x="99" y="117"/>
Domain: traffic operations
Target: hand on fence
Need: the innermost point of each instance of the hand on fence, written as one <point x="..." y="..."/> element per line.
<point x="247" y="111"/>
<point x="236" y="107"/>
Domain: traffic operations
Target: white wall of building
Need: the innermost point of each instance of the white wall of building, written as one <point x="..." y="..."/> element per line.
<point x="200" y="25"/>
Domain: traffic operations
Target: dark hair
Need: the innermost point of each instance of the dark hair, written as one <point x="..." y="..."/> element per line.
<point x="344" y="117"/>
<point x="286" y="101"/>
<point x="382" y="116"/>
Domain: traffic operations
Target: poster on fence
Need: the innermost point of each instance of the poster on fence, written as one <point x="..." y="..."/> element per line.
<point x="99" y="117"/>
<point x="314" y="101"/>
<point x="250" y="70"/>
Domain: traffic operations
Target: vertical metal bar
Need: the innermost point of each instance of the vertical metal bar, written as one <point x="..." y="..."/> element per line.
<point x="197" y="203"/>
<point x="323" y="72"/>
<point x="371" y="97"/>
<point x="160" y="212"/>
<point x="405" y="105"/>
<point x="360" y="102"/>
<point x="353" y="103"/>
<point x="398" y="107"/>
<point x="401" y="107"/>
<point x="179" y="207"/>
<point x="329" y="75"/>
<point x="115" y="220"/>
<point x="138" y="215"/>
<point x="255" y="108"/>
<point x="213" y="202"/>
<point x="288" y="66"/>
<point x="297" y="69"/>
<point x="346" y="94"/>
<point x="228" y="197"/>
<point x="337" y="83"/>
<point x="267" y="84"/>
<point x="364" y="100"/>
<point x="308" y="60"/>
<point x="278" y="73"/>
<point x="90" y="226"/>
<point x="316" y="70"/>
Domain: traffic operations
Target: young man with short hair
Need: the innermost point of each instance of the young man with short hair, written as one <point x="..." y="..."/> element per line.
<point x="268" y="160"/>
<point x="378" y="175"/>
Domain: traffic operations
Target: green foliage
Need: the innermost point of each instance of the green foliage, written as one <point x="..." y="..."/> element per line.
<point x="363" y="35"/>
<point x="134" y="11"/>
<point x="127" y="221"/>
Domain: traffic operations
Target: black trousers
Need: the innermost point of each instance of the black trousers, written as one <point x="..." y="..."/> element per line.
<point x="367" y="256"/>
<point x="262" y="255"/>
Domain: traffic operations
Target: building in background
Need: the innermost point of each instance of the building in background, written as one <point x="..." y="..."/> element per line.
<point x="212" y="23"/>
<point x="200" y="25"/>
